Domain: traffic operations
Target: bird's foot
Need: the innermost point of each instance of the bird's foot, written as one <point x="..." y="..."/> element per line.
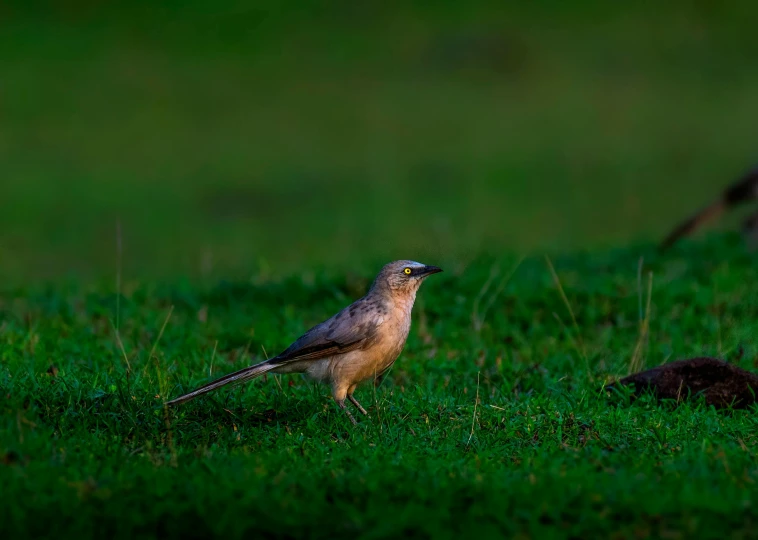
<point x="341" y="403"/>
<point x="355" y="402"/>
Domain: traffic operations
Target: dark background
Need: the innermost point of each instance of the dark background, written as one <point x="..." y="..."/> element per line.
<point x="236" y="137"/>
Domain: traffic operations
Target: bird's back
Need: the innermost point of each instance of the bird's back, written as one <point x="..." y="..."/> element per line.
<point x="354" y="327"/>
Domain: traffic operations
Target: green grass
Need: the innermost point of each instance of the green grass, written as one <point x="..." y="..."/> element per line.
<point x="490" y="422"/>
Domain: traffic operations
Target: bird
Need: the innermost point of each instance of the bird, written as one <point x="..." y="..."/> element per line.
<point x="742" y="191"/>
<point x="360" y="342"/>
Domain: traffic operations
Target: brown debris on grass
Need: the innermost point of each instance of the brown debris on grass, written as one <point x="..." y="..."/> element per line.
<point x="722" y="384"/>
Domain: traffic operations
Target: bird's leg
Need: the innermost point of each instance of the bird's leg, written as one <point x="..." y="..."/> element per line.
<point x="354" y="401"/>
<point x="341" y="403"/>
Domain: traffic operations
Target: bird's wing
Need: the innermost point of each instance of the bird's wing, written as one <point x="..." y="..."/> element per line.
<point x="352" y="328"/>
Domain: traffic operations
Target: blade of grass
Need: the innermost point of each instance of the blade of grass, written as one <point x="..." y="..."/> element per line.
<point x="637" y="356"/>
<point x="579" y="345"/>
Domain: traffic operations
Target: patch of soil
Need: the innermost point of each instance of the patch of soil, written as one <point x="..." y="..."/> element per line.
<point x="722" y="384"/>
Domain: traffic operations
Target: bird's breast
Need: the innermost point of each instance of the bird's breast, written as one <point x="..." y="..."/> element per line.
<point x="392" y="337"/>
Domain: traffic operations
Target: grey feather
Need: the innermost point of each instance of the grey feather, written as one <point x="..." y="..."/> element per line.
<point x="352" y="328"/>
<point x="232" y="378"/>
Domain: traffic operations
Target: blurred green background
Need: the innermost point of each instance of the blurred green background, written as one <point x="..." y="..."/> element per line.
<point x="228" y="137"/>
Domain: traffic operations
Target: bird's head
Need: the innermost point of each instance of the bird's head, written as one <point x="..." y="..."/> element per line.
<point x="403" y="277"/>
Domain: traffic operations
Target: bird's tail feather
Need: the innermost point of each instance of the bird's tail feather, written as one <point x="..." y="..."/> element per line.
<point x="232" y="378"/>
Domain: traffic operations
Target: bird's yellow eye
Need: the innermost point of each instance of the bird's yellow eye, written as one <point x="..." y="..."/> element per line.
<point x="407" y="271"/>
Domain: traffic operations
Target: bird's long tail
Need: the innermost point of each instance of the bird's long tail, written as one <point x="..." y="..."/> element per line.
<point x="709" y="213"/>
<point x="233" y="378"/>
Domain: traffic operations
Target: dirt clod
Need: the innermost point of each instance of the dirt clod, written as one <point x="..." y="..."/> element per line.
<point x="722" y="384"/>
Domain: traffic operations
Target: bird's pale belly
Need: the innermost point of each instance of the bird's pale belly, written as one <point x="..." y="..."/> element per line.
<point x="358" y="366"/>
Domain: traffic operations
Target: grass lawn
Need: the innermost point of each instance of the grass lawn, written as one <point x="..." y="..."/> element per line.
<point x="185" y="191"/>
<point x="490" y="422"/>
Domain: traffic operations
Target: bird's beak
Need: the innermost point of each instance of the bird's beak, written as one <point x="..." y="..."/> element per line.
<point x="429" y="270"/>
